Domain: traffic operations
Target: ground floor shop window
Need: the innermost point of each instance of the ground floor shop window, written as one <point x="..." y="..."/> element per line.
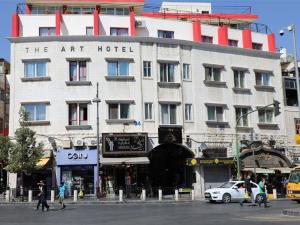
<point x="79" y="178"/>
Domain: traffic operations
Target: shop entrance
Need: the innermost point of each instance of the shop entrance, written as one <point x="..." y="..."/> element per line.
<point x="168" y="168"/>
<point x="79" y="178"/>
<point x="128" y="177"/>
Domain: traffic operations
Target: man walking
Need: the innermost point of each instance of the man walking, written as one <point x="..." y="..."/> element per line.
<point x="262" y="193"/>
<point x="248" y="191"/>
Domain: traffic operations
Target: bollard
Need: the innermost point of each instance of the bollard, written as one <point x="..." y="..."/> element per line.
<point x="120" y="195"/>
<point x="143" y="195"/>
<point x="52" y="196"/>
<point x="193" y="195"/>
<point x="29" y="195"/>
<point x="274" y="193"/>
<point x="75" y="197"/>
<point x="7" y="195"/>
<point x="176" y="195"/>
<point x="159" y="195"/>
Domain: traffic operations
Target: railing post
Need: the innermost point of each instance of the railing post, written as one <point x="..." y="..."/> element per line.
<point x="120" y="195"/>
<point x="159" y="195"/>
<point x="274" y="193"/>
<point x="143" y="195"/>
<point x="176" y="194"/>
<point x="29" y="195"/>
<point x="75" y="197"/>
<point x="52" y="196"/>
<point x="7" y="196"/>
<point x="193" y="195"/>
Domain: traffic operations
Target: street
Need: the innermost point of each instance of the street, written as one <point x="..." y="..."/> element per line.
<point x="149" y="213"/>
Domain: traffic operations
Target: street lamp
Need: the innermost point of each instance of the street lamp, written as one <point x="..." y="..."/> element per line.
<point x="292" y="28"/>
<point x="97" y="101"/>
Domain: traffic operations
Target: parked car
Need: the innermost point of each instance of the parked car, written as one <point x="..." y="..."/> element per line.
<point x="230" y="191"/>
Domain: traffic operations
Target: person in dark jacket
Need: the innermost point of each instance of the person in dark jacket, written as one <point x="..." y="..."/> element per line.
<point x="42" y="196"/>
<point x="248" y="192"/>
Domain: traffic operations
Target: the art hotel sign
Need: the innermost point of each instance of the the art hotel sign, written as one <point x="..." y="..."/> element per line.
<point x="81" y="49"/>
<point x="76" y="157"/>
<point x="124" y="144"/>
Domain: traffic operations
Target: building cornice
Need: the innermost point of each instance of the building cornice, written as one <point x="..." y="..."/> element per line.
<point x="127" y="39"/>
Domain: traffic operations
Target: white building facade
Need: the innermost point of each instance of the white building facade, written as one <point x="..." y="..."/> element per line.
<point x="167" y="87"/>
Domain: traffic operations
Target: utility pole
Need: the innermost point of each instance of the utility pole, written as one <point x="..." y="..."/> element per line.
<point x="97" y="101"/>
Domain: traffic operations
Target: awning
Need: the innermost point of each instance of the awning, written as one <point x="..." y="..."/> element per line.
<point x="283" y="169"/>
<point x="129" y="160"/>
<point x="42" y="163"/>
<point x="260" y="170"/>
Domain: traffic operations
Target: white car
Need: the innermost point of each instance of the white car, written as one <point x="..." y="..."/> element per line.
<point x="230" y="191"/>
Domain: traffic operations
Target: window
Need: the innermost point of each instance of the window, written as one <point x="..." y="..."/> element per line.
<point x="215" y="113"/>
<point x="188" y="112"/>
<point x="114" y="31"/>
<point x="239" y="78"/>
<point x="148" y="111"/>
<point x="265" y="115"/>
<point x="168" y="114"/>
<point x="186" y="71"/>
<point x="2" y="96"/>
<point x="167" y="72"/>
<point x="212" y="74"/>
<point x="262" y="79"/>
<point x="243" y="121"/>
<point x="207" y="39"/>
<point x="35" y="69"/>
<point x="165" y="34"/>
<point x="147" y="68"/>
<point x="118" y="111"/>
<point x="118" y="68"/>
<point x="89" y="31"/>
<point x="36" y="112"/>
<point x="233" y="43"/>
<point x="47" y="31"/>
<point x="78" y="114"/>
<point x="78" y="71"/>
<point x="257" y="46"/>
<point x="115" y="11"/>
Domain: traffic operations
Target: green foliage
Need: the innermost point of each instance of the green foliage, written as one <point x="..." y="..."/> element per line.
<point x="5" y="146"/>
<point x="25" y="152"/>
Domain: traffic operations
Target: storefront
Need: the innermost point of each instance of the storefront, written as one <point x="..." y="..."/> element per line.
<point x="124" y="163"/>
<point x="77" y="169"/>
<point x="268" y="162"/>
<point x="216" y="171"/>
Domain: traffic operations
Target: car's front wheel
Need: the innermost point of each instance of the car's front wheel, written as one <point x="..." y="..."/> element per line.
<point x="226" y="198"/>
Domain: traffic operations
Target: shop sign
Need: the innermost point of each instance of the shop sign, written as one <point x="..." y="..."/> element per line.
<point x="170" y="135"/>
<point x="124" y="143"/>
<point x="216" y="161"/>
<point x="76" y="157"/>
<point x="194" y="162"/>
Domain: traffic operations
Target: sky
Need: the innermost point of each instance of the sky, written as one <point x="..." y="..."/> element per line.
<point x="277" y="14"/>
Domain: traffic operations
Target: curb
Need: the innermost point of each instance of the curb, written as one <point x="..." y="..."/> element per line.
<point x="291" y="212"/>
<point x="104" y="202"/>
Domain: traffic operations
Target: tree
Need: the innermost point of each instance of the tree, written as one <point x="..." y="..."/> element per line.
<point x="25" y="152"/>
<point x="5" y="146"/>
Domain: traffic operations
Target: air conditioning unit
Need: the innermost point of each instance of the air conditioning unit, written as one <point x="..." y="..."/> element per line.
<point x="245" y="137"/>
<point x="66" y="144"/>
<point x="92" y="142"/>
<point x="256" y="137"/>
<point x="140" y="23"/>
<point x="78" y="142"/>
